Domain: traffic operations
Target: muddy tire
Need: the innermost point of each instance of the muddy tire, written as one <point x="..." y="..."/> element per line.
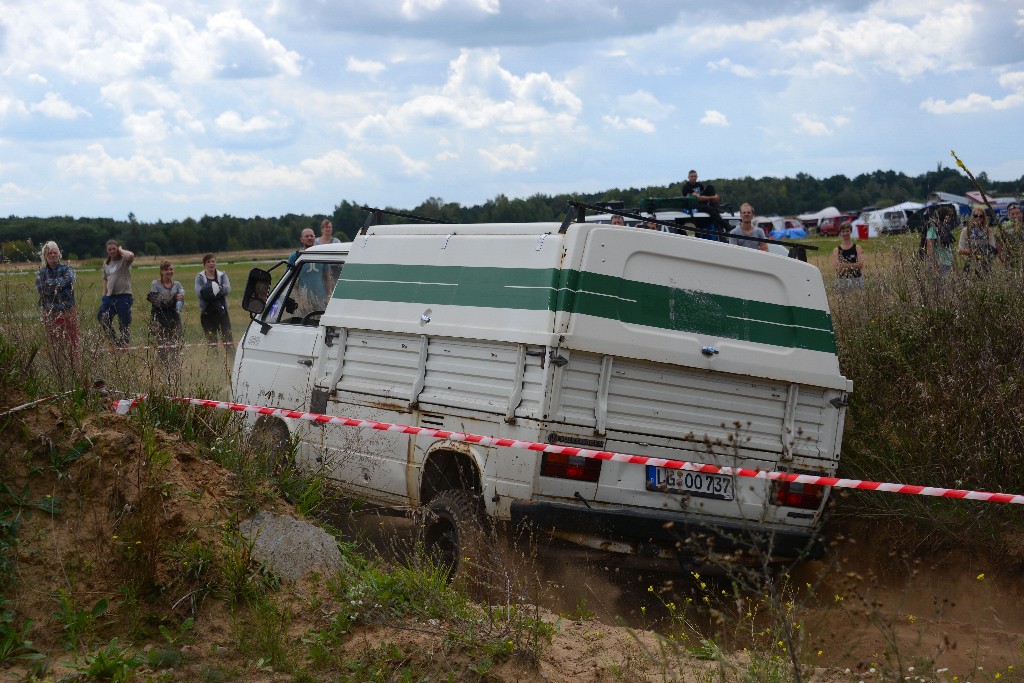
<point x="454" y="535"/>
<point x="271" y="439"/>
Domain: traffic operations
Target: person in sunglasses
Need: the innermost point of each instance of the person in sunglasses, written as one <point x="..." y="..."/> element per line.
<point x="977" y="243"/>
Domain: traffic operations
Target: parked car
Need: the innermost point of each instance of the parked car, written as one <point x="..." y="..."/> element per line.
<point x="830" y="226"/>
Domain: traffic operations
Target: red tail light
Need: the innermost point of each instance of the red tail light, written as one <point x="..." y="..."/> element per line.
<point x="565" y="466"/>
<point x="794" y="495"/>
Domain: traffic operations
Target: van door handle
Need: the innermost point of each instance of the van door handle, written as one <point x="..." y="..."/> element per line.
<point x="305" y="361"/>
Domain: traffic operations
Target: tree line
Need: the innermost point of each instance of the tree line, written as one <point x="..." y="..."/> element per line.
<point x="21" y="238"/>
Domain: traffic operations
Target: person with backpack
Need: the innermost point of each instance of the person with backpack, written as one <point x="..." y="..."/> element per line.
<point x="938" y="241"/>
<point x="212" y="288"/>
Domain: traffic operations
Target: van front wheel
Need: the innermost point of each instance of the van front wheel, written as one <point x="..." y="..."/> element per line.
<point x="271" y="439"/>
<point x="453" y="533"/>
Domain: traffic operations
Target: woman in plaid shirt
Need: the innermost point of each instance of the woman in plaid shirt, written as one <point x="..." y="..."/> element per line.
<point x="55" y="282"/>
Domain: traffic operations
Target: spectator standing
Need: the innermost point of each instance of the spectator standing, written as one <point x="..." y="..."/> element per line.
<point x="55" y="282"/>
<point x="978" y="243"/>
<point x="167" y="298"/>
<point x="707" y="200"/>
<point x="117" y="294"/>
<point x="939" y="241"/>
<point x="306" y="240"/>
<point x="326" y="233"/>
<point x="747" y="229"/>
<point x="212" y="287"/>
<point x="848" y="259"/>
<point x="618" y="220"/>
<point x="1012" y="235"/>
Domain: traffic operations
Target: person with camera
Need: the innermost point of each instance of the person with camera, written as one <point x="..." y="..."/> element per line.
<point x="212" y="289"/>
<point x="939" y="241"/>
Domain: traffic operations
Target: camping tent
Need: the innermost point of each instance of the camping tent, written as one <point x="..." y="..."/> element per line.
<point x="814" y="218"/>
<point x="890" y="219"/>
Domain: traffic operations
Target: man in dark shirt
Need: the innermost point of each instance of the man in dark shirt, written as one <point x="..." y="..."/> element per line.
<point x="707" y="199"/>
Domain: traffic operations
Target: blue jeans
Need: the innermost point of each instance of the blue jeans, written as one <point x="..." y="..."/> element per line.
<point x="121" y="306"/>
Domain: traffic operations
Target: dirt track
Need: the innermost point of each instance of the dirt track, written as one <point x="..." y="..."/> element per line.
<point x="870" y="606"/>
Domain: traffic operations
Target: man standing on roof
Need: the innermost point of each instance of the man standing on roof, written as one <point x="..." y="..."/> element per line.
<point x="707" y="199"/>
<point x="746" y="228"/>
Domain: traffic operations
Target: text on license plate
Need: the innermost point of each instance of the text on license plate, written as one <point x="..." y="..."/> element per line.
<point x="699" y="484"/>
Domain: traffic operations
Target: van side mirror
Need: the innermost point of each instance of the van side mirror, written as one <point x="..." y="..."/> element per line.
<point x="257" y="291"/>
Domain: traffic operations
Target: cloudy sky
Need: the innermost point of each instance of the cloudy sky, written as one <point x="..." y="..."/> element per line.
<point x="171" y="109"/>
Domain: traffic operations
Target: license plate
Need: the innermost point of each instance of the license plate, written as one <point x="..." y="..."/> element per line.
<point x="700" y="484"/>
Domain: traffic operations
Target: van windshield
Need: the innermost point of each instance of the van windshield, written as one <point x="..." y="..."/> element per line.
<point x="308" y="291"/>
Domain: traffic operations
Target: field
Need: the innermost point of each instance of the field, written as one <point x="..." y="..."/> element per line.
<point x="120" y="557"/>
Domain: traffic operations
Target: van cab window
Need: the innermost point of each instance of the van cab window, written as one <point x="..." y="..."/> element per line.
<point x="307" y="293"/>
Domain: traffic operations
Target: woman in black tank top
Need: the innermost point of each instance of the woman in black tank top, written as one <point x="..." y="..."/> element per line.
<point x="847" y="258"/>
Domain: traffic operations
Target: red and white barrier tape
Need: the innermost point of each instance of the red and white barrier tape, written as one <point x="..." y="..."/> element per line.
<point x="170" y="346"/>
<point x="23" y="406"/>
<point x="124" y="405"/>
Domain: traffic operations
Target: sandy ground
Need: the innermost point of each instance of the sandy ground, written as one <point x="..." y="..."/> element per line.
<point x="867" y="606"/>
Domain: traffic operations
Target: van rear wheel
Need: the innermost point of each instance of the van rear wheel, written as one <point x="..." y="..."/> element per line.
<point x="453" y="534"/>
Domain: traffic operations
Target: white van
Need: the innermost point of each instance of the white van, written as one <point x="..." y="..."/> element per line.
<point x="578" y="334"/>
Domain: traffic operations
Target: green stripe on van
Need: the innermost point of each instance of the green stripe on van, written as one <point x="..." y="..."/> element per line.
<point x="592" y="294"/>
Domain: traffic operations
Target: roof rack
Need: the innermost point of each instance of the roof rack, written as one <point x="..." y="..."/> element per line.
<point x="375" y="217"/>
<point x="578" y="211"/>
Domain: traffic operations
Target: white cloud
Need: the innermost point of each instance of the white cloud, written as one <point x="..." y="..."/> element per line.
<point x="13" y="190"/>
<point x="54" y="106"/>
<point x="643" y="102"/>
<point x="364" y="66"/>
<point x="147" y="128"/>
<point x="242" y="50"/>
<point x="188" y="124"/>
<point x="446" y="155"/>
<point x="233" y="122"/>
<point x="810" y="126"/>
<point x="630" y="122"/>
<point x="714" y="118"/>
<point x="11" y="107"/>
<point x="37" y="78"/>
<point x="225" y="175"/>
<point x="726" y="64"/>
<point x="108" y="40"/>
<point x="479" y="95"/>
<point x="512" y="157"/>
<point x="415" y="10"/>
<point x="976" y="102"/>
<point x="101" y="168"/>
<point x="333" y="164"/>
<point x="905" y="38"/>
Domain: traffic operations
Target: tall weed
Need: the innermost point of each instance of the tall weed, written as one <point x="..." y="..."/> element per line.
<point x="938" y="388"/>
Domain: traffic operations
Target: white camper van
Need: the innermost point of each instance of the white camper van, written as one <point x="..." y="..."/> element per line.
<point x="581" y="334"/>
